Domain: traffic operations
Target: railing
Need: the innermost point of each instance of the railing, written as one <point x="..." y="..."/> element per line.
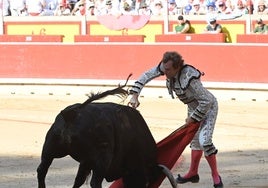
<point x="109" y="38"/>
<point x="31" y="38"/>
<point x="252" y="38"/>
<point x="220" y="37"/>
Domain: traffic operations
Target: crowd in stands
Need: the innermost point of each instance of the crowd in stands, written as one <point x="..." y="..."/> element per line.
<point x="132" y="7"/>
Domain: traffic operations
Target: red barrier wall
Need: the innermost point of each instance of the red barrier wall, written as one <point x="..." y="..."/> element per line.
<point x="220" y="62"/>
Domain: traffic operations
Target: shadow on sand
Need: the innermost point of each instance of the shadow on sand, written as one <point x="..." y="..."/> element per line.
<point x="235" y="168"/>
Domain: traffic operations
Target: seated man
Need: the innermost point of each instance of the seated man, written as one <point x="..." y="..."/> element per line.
<point x="213" y="26"/>
<point x="261" y="27"/>
<point x="183" y="25"/>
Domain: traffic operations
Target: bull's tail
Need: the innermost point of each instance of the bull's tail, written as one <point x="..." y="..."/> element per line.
<point x="119" y="91"/>
<point x="70" y="113"/>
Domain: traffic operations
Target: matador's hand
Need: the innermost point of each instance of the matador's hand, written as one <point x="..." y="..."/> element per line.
<point x="134" y="102"/>
<point x="189" y="120"/>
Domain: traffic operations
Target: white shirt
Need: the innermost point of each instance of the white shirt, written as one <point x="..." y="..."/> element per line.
<point x="51" y="6"/>
<point x="16" y="4"/>
<point x="5" y="8"/>
<point x="35" y="6"/>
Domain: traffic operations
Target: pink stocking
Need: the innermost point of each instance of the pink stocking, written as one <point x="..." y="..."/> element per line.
<point x="195" y="160"/>
<point x="213" y="165"/>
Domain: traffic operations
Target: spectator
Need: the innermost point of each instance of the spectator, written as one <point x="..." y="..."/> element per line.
<point x="72" y="3"/>
<point x="240" y="8"/>
<point x="150" y="4"/>
<point x="203" y="5"/>
<point x="213" y="26"/>
<point x="91" y="9"/>
<point x="110" y="9"/>
<point x="230" y="4"/>
<point x="262" y="8"/>
<point x="144" y="9"/>
<point x="17" y="7"/>
<point x="211" y="10"/>
<point x="158" y="8"/>
<point x="63" y="9"/>
<point x="183" y="25"/>
<point x="127" y="9"/>
<point x="223" y="9"/>
<point x="36" y="7"/>
<point x="100" y="6"/>
<point x="250" y="7"/>
<point x="180" y="6"/>
<point x="261" y="27"/>
<point x="83" y="7"/>
<point x="79" y="8"/>
<point x="5" y="8"/>
<point x="187" y="9"/>
<point x="118" y="6"/>
<point x="197" y="9"/>
<point x="172" y="7"/>
<point x="50" y="8"/>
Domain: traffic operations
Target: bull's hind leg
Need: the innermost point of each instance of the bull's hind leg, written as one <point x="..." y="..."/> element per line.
<point x="82" y="174"/>
<point x="42" y="172"/>
<point x="96" y="180"/>
<point x="52" y="149"/>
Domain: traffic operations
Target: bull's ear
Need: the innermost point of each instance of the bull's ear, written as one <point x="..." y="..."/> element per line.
<point x="69" y="115"/>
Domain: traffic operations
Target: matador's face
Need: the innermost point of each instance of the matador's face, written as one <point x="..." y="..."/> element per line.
<point x="169" y="70"/>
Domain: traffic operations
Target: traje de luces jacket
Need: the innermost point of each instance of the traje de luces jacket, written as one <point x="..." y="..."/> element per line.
<point x="186" y="85"/>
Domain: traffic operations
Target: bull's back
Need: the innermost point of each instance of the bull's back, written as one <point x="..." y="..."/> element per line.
<point x="123" y="119"/>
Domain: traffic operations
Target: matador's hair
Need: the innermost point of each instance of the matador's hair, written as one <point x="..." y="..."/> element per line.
<point x="175" y="57"/>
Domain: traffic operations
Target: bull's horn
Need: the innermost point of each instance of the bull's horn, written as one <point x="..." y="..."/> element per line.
<point x="169" y="175"/>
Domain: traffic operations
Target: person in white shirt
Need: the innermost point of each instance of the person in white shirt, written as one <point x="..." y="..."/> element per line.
<point x="110" y="8"/>
<point x="79" y="8"/>
<point x="63" y="9"/>
<point x="5" y="8"/>
<point x="17" y="7"/>
<point x="197" y="9"/>
<point x="240" y="8"/>
<point x="144" y="9"/>
<point x="223" y="9"/>
<point x="127" y="9"/>
<point x="84" y="7"/>
<point x="158" y="9"/>
<point x="90" y="9"/>
<point x="35" y="7"/>
<point x="172" y="7"/>
<point x="50" y="8"/>
<point x="261" y="9"/>
<point x="72" y="3"/>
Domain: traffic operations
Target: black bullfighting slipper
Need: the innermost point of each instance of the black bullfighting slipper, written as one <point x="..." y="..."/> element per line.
<point x="219" y="185"/>
<point x="193" y="179"/>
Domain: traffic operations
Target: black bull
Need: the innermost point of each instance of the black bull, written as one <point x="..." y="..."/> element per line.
<point x="110" y="140"/>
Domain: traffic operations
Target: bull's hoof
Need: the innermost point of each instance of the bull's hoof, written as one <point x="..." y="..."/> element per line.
<point x="193" y="179"/>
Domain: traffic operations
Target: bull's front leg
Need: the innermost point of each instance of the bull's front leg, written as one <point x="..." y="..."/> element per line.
<point x="82" y="174"/>
<point x="42" y="171"/>
<point x="96" y="180"/>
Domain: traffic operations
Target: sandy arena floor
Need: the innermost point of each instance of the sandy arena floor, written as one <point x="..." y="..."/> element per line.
<point x="241" y="135"/>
